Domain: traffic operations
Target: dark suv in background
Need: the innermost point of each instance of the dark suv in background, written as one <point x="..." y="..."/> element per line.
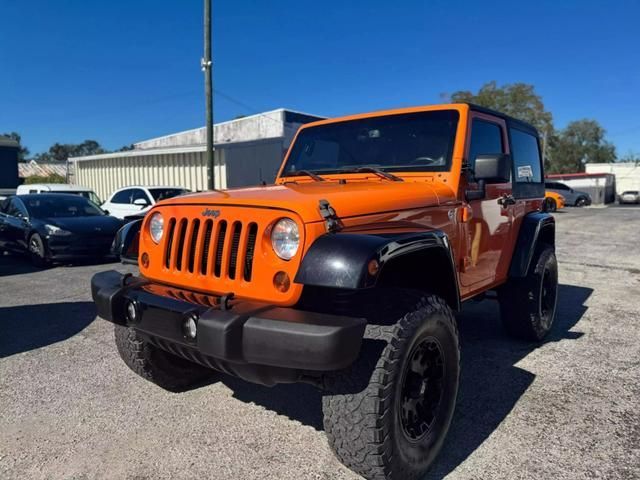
<point x="572" y="197"/>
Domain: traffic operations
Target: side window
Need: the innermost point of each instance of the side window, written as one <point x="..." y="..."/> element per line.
<point x="486" y="139"/>
<point x="139" y="193"/>
<point x="16" y="209"/>
<point x="123" y="196"/>
<point x="526" y="157"/>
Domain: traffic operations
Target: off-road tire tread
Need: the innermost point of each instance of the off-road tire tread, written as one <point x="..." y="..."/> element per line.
<point x="518" y="307"/>
<point x="355" y="423"/>
<point x="156" y="365"/>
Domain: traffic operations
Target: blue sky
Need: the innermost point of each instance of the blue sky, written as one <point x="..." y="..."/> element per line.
<point x="122" y="71"/>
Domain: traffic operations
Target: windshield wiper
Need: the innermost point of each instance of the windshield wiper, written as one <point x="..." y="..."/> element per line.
<point x="377" y="171"/>
<point x="298" y="173"/>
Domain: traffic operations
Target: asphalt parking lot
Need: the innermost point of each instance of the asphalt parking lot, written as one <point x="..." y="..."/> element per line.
<point x="568" y="409"/>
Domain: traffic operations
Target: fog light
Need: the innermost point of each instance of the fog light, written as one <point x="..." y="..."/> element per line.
<point x="132" y="311"/>
<point x="281" y="281"/>
<point x="190" y="326"/>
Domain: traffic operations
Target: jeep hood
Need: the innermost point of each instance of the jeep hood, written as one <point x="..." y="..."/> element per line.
<point x="349" y="199"/>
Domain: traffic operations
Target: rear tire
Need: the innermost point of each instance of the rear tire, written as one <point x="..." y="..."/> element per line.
<point x="528" y="305"/>
<point x="154" y="364"/>
<point x="387" y="416"/>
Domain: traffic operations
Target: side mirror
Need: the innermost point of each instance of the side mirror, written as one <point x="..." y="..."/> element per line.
<point x="141" y="202"/>
<point x="489" y="169"/>
<point x="493" y="168"/>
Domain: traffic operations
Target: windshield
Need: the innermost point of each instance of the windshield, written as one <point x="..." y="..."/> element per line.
<point x="421" y="141"/>
<point x="164" y="193"/>
<point x="50" y="206"/>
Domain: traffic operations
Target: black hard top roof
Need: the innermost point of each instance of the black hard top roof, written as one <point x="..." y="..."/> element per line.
<point x="514" y="122"/>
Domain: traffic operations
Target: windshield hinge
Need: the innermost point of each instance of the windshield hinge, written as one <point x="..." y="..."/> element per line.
<point x="331" y="219"/>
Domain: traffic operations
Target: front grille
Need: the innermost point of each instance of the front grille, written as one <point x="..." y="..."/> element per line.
<point x="214" y="248"/>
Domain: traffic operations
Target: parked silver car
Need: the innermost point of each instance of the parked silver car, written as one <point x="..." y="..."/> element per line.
<point x="630" y="196"/>
<point x="572" y="197"/>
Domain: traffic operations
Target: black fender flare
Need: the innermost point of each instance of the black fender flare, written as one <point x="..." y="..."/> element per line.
<point x="535" y="228"/>
<point x="341" y="260"/>
<point x="126" y="242"/>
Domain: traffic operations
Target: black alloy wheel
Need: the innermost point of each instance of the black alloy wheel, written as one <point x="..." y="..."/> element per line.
<point x="422" y="388"/>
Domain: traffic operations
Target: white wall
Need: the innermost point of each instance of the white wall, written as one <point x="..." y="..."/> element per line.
<point x="627" y="174"/>
<point x="247" y="129"/>
<point x="188" y="169"/>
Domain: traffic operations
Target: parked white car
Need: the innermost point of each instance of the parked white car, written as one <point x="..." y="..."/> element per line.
<point x="86" y="192"/>
<point x="136" y="199"/>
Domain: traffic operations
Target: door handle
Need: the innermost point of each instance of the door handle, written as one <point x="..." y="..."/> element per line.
<point x="506" y="200"/>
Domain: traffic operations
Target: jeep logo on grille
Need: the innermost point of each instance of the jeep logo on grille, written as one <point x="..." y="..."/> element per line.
<point x="207" y="212"/>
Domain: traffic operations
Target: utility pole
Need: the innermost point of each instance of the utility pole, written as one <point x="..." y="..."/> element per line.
<point x="208" y="92"/>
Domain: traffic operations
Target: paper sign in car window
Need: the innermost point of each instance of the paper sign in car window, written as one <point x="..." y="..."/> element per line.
<point x="525" y="171"/>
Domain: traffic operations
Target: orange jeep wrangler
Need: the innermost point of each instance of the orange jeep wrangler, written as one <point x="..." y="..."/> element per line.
<point x="346" y="273"/>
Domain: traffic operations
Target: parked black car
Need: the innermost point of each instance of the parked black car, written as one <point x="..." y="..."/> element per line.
<point x="56" y="227"/>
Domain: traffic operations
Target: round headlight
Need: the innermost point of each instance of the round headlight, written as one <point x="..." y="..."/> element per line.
<point x="285" y="238"/>
<point x="156" y="227"/>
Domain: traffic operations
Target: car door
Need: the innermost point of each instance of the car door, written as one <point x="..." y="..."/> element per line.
<point x="488" y="230"/>
<point x="5" y="243"/>
<point x="119" y="205"/>
<point x="14" y="225"/>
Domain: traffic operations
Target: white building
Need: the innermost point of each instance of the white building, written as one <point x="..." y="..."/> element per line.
<point x="248" y="151"/>
<point x="627" y="174"/>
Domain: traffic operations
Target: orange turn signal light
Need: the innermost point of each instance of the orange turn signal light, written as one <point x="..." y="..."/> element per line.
<point x="144" y="260"/>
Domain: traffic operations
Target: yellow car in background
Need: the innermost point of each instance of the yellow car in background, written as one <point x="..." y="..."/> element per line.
<point x="553" y="201"/>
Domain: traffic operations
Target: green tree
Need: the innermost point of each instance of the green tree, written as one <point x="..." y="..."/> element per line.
<point x="518" y="100"/>
<point x="59" y="152"/>
<point x="631" y="156"/>
<point x="23" y="152"/>
<point x="582" y="141"/>
<point x="53" y="178"/>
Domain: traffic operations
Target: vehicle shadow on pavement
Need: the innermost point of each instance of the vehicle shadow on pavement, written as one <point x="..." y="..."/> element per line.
<point x="28" y="327"/>
<point x="14" y="265"/>
<point x="297" y="401"/>
<point x="490" y="383"/>
<point x="18" y="265"/>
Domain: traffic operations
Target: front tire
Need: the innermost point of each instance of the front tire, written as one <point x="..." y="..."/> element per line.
<point x="37" y="251"/>
<point x="528" y="305"/>
<point x="388" y="415"/>
<point x="581" y="202"/>
<point x="154" y="364"/>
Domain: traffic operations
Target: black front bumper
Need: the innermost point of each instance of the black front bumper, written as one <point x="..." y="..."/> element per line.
<point x="62" y="248"/>
<point x="247" y="333"/>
